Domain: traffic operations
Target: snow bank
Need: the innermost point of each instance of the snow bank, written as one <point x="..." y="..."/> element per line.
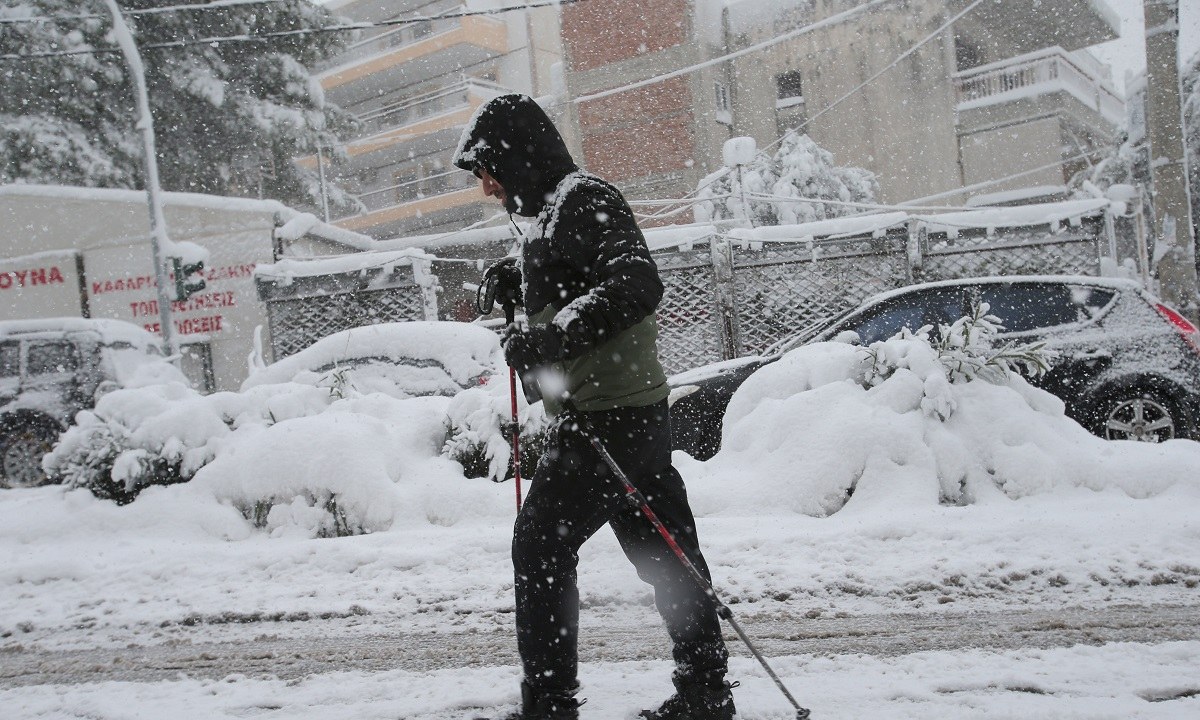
<point x="368" y="448"/>
<point x="811" y="434"/>
<point x="369" y="464"/>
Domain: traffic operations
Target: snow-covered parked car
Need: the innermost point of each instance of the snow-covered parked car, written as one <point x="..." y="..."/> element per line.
<point x="401" y="359"/>
<point x="1126" y="366"/>
<point x="52" y="368"/>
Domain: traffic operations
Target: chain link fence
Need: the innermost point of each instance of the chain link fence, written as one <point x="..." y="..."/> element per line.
<point x="302" y="310"/>
<point x="774" y="288"/>
<point x="724" y="296"/>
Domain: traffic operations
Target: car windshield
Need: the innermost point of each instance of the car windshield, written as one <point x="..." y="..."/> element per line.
<point x="797" y="339"/>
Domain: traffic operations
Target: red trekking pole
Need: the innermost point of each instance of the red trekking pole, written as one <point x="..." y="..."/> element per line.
<point x="503" y="281"/>
<point x="510" y="316"/>
<point x="635" y="498"/>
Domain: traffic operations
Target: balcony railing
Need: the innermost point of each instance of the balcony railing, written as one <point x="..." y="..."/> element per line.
<point x="420" y="31"/>
<point x="1040" y="73"/>
<point x="417" y="189"/>
<point x="468" y="93"/>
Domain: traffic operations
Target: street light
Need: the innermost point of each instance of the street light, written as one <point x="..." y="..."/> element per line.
<point x="158" y="224"/>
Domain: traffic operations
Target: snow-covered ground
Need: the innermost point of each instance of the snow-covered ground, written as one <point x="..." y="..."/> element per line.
<point x="965" y="496"/>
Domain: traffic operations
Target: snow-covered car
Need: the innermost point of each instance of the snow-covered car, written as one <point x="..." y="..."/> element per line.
<point x="1126" y="366"/>
<point x="52" y="368"/>
<point x="401" y="359"/>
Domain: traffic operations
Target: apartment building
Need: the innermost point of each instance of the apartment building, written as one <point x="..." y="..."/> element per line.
<point x="1006" y="92"/>
<point x="413" y="87"/>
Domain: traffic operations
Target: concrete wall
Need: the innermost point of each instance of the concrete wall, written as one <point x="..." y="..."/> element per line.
<point x="1008" y="150"/>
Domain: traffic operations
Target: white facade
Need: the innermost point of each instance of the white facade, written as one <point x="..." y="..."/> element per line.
<point x="85" y="252"/>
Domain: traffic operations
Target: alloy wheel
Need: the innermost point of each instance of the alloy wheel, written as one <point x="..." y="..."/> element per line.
<point x="1142" y="419"/>
<point x="21" y="461"/>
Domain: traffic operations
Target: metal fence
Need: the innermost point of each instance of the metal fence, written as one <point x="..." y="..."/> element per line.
<point x="302" y="310"/>
<point x="724" y="297"/>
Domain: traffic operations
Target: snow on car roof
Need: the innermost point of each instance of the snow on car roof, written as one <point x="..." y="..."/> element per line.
<point x="464" y="349"/>
<point x="1109" y="282"/>
<point x="110" y="331"/>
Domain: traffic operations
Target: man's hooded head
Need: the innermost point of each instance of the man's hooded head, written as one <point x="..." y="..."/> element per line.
<point x="513" y="139"/>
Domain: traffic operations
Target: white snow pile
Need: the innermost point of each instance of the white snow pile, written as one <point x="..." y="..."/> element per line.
<point x="904" y="423"/>
<point x="345" y="451"/>
<point x="436" y="358"/>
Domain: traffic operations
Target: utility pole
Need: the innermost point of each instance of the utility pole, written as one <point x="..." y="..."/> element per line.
<point x="158" y="224"/>
<point x="1173" y="234"/>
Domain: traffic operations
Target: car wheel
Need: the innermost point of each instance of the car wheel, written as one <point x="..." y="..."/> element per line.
<point x="21" y="455"/>
<point x="1142" y="416"/>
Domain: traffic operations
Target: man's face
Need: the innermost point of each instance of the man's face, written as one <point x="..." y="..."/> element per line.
<point x="491" y="188"/>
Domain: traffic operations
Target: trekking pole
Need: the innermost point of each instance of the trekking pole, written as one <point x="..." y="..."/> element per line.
<point x="510" y="316"/>
<point x="485" y="302"/>
<point x="635" y="498"/>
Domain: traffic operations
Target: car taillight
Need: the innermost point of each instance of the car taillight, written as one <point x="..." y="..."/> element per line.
<point x="1190" y="334"/>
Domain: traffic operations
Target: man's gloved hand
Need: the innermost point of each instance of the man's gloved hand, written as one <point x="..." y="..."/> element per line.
<point x="501" y="283"/>
<point x="529" y="347"/>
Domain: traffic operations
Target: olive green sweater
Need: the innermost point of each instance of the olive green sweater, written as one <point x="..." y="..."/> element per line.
<point x="622" y="371"/>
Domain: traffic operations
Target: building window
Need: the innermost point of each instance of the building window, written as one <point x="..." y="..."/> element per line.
<point x="724" y="106"/>
<point x="789" y="89"/>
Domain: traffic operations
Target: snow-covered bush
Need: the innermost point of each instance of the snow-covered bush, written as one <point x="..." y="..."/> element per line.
<point x="950" y="420"/>
<point x="479" y="433"/>
<point x="297" y="458"/>
<point x="135" y="438"/>
<point x="966" y="351"/>
<point x="799" y="169"/>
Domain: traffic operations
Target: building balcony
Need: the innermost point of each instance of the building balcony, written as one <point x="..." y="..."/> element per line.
<point x="1046" y="77"/>
<point x="435" y="113"/>
<point x="417" y="204"/>
<point x="412" y="54"/>
<point x="419" y="125"/>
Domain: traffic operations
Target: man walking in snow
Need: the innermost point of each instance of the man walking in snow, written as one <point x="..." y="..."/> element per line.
<point x="590" y="291"/>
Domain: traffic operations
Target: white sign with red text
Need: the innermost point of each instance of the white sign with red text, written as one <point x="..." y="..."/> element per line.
<point x="41" y="285"/>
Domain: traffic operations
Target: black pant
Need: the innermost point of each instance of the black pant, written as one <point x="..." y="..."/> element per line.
<point x="574" y="493"/>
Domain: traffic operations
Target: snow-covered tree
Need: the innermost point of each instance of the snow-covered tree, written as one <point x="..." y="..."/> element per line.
<point x="228" y="116"/>
<point x="1190" y="80"/>
<point x="800" y="168"/>
<point x="1128" y="161"/>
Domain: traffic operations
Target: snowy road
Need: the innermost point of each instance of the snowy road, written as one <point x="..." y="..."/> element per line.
<point x="272" y="654"/>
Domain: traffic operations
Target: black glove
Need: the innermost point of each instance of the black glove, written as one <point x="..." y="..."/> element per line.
<point x="502" y="282"/>
<point x="527" y="348"/>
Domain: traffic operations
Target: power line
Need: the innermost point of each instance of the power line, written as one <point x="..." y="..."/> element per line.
<point x="989" y="183"/>
<point x="843" y="98"/>
<point x="889" y="66"/>
<point x="831" y="20"/>
<point x="214" y="5"/>
<point x="260" y="37"/>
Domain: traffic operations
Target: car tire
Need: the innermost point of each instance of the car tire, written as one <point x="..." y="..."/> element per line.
<point x="1141" y="414"/>
<point x="21" y="452"/>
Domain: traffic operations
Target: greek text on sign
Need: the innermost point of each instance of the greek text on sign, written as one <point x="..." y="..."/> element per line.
<point x="28" y="278"/>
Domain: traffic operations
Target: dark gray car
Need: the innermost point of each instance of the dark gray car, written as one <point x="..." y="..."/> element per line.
<point x="52" y="368"/>
<point x="1127" y="366"/>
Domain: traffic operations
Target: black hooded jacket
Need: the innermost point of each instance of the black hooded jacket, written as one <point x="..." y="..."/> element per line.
<point x="586" y="269"/>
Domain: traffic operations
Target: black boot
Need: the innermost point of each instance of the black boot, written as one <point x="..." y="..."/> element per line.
<point x="545" y="705"/>
<point x="697" y="698"/>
